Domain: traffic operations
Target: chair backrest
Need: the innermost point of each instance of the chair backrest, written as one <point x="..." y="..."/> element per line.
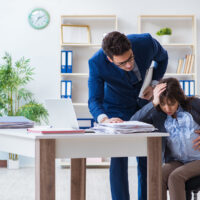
<point x="193" y="185"/>
<point x="195" y="192"/>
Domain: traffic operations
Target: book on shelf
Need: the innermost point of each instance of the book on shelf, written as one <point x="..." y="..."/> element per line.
<point x="185" y="65"/>
<point x="189" y="63"/>
<point x="66" y="61"/>
<point x="190" y="68"/>
<point x="180" y="65"/>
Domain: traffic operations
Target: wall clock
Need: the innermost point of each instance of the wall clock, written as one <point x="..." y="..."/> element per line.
<point x="39" y="18"/>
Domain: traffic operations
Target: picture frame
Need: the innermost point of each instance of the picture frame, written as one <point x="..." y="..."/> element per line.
<point x="75" y="34"/>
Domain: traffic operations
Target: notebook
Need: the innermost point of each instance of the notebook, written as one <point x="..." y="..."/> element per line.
<point x="8" y="122"/>
<point x="53" y="130"/>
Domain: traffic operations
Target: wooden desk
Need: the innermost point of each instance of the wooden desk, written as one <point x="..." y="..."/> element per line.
<point x="45" y="148"/>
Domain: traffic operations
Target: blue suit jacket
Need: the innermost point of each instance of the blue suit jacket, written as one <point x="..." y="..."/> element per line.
<point x="114" y="91"/>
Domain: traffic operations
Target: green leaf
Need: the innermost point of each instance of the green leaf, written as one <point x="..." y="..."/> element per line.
<point x="13" y="92"/>
<point x="24" y="94"/>
<point x="164" y="31"/>
<point x="33" y="111"/>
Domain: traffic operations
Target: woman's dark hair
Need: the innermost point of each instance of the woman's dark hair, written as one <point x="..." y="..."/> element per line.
<point x="174" y="93"/>
<point x="115" y="44"/>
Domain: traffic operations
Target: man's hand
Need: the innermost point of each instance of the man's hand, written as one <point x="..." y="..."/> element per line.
<point x="111" y="120"/>
<point x="148" y="93"/>
<point x="196" y="142"/>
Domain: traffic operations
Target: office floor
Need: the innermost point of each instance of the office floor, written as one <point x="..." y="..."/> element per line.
<point x="19" y="184"/>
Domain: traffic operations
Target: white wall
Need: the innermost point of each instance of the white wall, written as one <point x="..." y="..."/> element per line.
<point x="43" y="46"/>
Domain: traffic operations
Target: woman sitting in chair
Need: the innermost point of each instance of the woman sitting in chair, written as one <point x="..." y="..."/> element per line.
<point x="173" y="112"/>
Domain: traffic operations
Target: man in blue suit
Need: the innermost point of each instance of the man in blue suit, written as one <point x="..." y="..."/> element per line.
<point x="116" y="75"/>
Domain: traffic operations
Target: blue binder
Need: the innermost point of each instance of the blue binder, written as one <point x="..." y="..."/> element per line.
<point x="63" y="61"/>
<point x="66" y="61"/>
<point x="182" y="84"/>
<point x="66" y="89"/>
<point x="85" y="123"/>
<point x="188" y="87"/>
<point x="192" y="88"/>
<point x="69" y="61"/>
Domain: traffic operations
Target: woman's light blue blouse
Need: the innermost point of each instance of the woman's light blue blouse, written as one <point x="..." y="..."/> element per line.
<point x="181" y="130"/>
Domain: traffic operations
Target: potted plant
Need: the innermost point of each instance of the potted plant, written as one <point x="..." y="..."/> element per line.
<point x="13" y="161"/>
<point x="165" y="35"/>
<point x="15" y="99"/>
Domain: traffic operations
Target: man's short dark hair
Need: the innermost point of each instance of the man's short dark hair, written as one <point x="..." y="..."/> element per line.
<point x="115" y="44"/>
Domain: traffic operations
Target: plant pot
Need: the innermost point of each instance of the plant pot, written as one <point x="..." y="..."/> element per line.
<point x="165" y="39"/>
<point x="13" y="164"/>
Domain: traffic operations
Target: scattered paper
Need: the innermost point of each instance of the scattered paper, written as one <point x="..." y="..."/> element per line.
<point x="124" y="127"/>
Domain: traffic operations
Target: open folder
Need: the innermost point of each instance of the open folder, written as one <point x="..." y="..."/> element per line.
<point x="147" y="80"/>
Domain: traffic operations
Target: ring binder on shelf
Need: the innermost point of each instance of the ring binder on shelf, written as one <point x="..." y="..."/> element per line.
<point x="63" y="62"/>
<point x="66" y="89"/>
<point x="188" y="87"/>
<point x="192" y="88"/>
<point x="69" y="61"/>
<point x="66" y="61"/>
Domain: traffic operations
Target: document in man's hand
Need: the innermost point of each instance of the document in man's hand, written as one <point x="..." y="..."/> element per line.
<point x="54" y="130"/>
<point x="147" y="80"/>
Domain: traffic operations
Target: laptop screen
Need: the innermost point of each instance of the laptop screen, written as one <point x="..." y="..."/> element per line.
<point x="61" y="113"/>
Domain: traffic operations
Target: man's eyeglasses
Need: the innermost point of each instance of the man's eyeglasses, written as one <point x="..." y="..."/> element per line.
<point x="129" y="60"/>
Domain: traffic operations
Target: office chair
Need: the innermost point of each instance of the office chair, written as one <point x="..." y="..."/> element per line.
<point x="192" y="186"/>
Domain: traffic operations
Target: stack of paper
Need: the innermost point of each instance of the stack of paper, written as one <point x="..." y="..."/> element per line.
<point x="124" y="127"/>
<point x="15" y="122"/>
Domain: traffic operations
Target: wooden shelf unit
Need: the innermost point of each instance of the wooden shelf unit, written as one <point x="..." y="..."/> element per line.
<point x="99" y="26"/>
<point x="183" y="40"/>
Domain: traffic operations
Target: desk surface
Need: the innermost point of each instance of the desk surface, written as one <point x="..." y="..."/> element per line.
<point x="22" y="133"/>
<point x="78" y="145"/>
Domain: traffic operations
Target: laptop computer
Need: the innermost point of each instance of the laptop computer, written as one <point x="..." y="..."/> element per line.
<point x="61" y="114"/>
<point x="62" y="118"/>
